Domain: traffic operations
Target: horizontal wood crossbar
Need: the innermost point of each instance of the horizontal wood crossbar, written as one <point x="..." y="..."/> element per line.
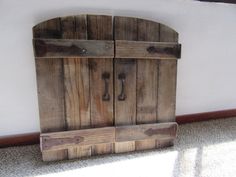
<point x="146" y="131"/>
<point x="73" y="48"/>
<point x="61" y="140"/>
<point x="93" y="136"/>
<point x="147" y="50"/>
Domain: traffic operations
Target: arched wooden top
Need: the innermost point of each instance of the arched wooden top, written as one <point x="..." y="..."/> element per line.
<point x="54" y="28"/>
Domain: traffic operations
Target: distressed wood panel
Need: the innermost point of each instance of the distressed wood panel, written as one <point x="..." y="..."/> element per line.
<point x="72" y="48"/>
<point x="76" y="80"/>
<point x="100" y="28"/>
<point x="147" y="50"/>
<point x="68" y="139"/>
<point x="147" y="75"/>
<point x="125" y="111"/>
<point x="50" y="88"/>
<point x="167" y="84"/>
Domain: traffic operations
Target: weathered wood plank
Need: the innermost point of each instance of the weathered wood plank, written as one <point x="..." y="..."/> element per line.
<point x="166" y="91"/>
<point x="147" y="74"/>
<point x="76" y="74"/>
<point x="101" y="105"/>
<point x="147" y="50"/>
<point x="146" y="131"/>
<point x="167" y="84"/>
<point x="125" y="71"/>
<point x="51" y="95"/>
<point x="68" y="139"/>
<point x="72" y="48"/>
<point x="167" y="80"/>
<point x="101" y="76"/>
<point x="76" y="81"/>
<point x="50" y="88"/>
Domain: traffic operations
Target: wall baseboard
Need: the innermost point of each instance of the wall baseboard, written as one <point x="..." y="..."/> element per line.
<point x="222" y="1"/>
<point x="205" y="116"/>
<point x="33" y="138"/>
<point x="19" y="140"/>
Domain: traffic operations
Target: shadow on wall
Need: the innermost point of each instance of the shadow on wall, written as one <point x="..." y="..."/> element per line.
<point x="202" y="149"/>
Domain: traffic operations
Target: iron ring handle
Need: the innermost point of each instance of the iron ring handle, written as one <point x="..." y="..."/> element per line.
<point x="106" y="95"/>
<point x="122" y="95"/>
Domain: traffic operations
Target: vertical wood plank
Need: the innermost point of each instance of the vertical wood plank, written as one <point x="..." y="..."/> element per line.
<point x="147" y="82"/>
<point x="147" y="73"/>
<point x="76" y="80"/>
<point x="50" y="88"/>
<point x="125" y="111"/>
<point x="167" y="84"/>
<point x="100" y="28"/>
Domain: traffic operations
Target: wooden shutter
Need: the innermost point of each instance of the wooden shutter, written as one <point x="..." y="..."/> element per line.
<point x="100" y="93"/>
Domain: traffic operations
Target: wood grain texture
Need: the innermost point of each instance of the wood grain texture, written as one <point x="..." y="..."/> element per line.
<point x="67" y="139"/>
<point x="76" y="74"/>
<point x="154" y="131"/>
<point x="147" y="50"/>
<point x="76" y="81"/>
<point x="72" y="48"/>
<point x="147" y="75"/>
<point x="167" y="84"/>
<point x="48" y="29"/>
<point x="51" y="94"/>
<point x="85" y="119"/>
<point x="125" y="111"/>
<point x="166" y="91"/>
<point x="50" y="88"/>
<point x="100" y="28"/>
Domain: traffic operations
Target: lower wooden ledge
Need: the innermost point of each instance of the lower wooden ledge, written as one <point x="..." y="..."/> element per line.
<point x="33" y="138"/>
<point x="115" y="134"/>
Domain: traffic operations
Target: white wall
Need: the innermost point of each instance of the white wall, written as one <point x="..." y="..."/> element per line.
<point x="206" y="72"/>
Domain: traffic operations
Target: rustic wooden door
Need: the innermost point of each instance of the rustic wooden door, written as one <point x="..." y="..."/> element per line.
<point x="89" y="79"/>
<point x="74" y="85"/>
<point x="150" y="84"/>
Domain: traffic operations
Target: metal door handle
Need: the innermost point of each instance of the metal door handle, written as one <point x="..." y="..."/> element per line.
<point x="122" y="95"/>
<point x="106" y="95"/>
